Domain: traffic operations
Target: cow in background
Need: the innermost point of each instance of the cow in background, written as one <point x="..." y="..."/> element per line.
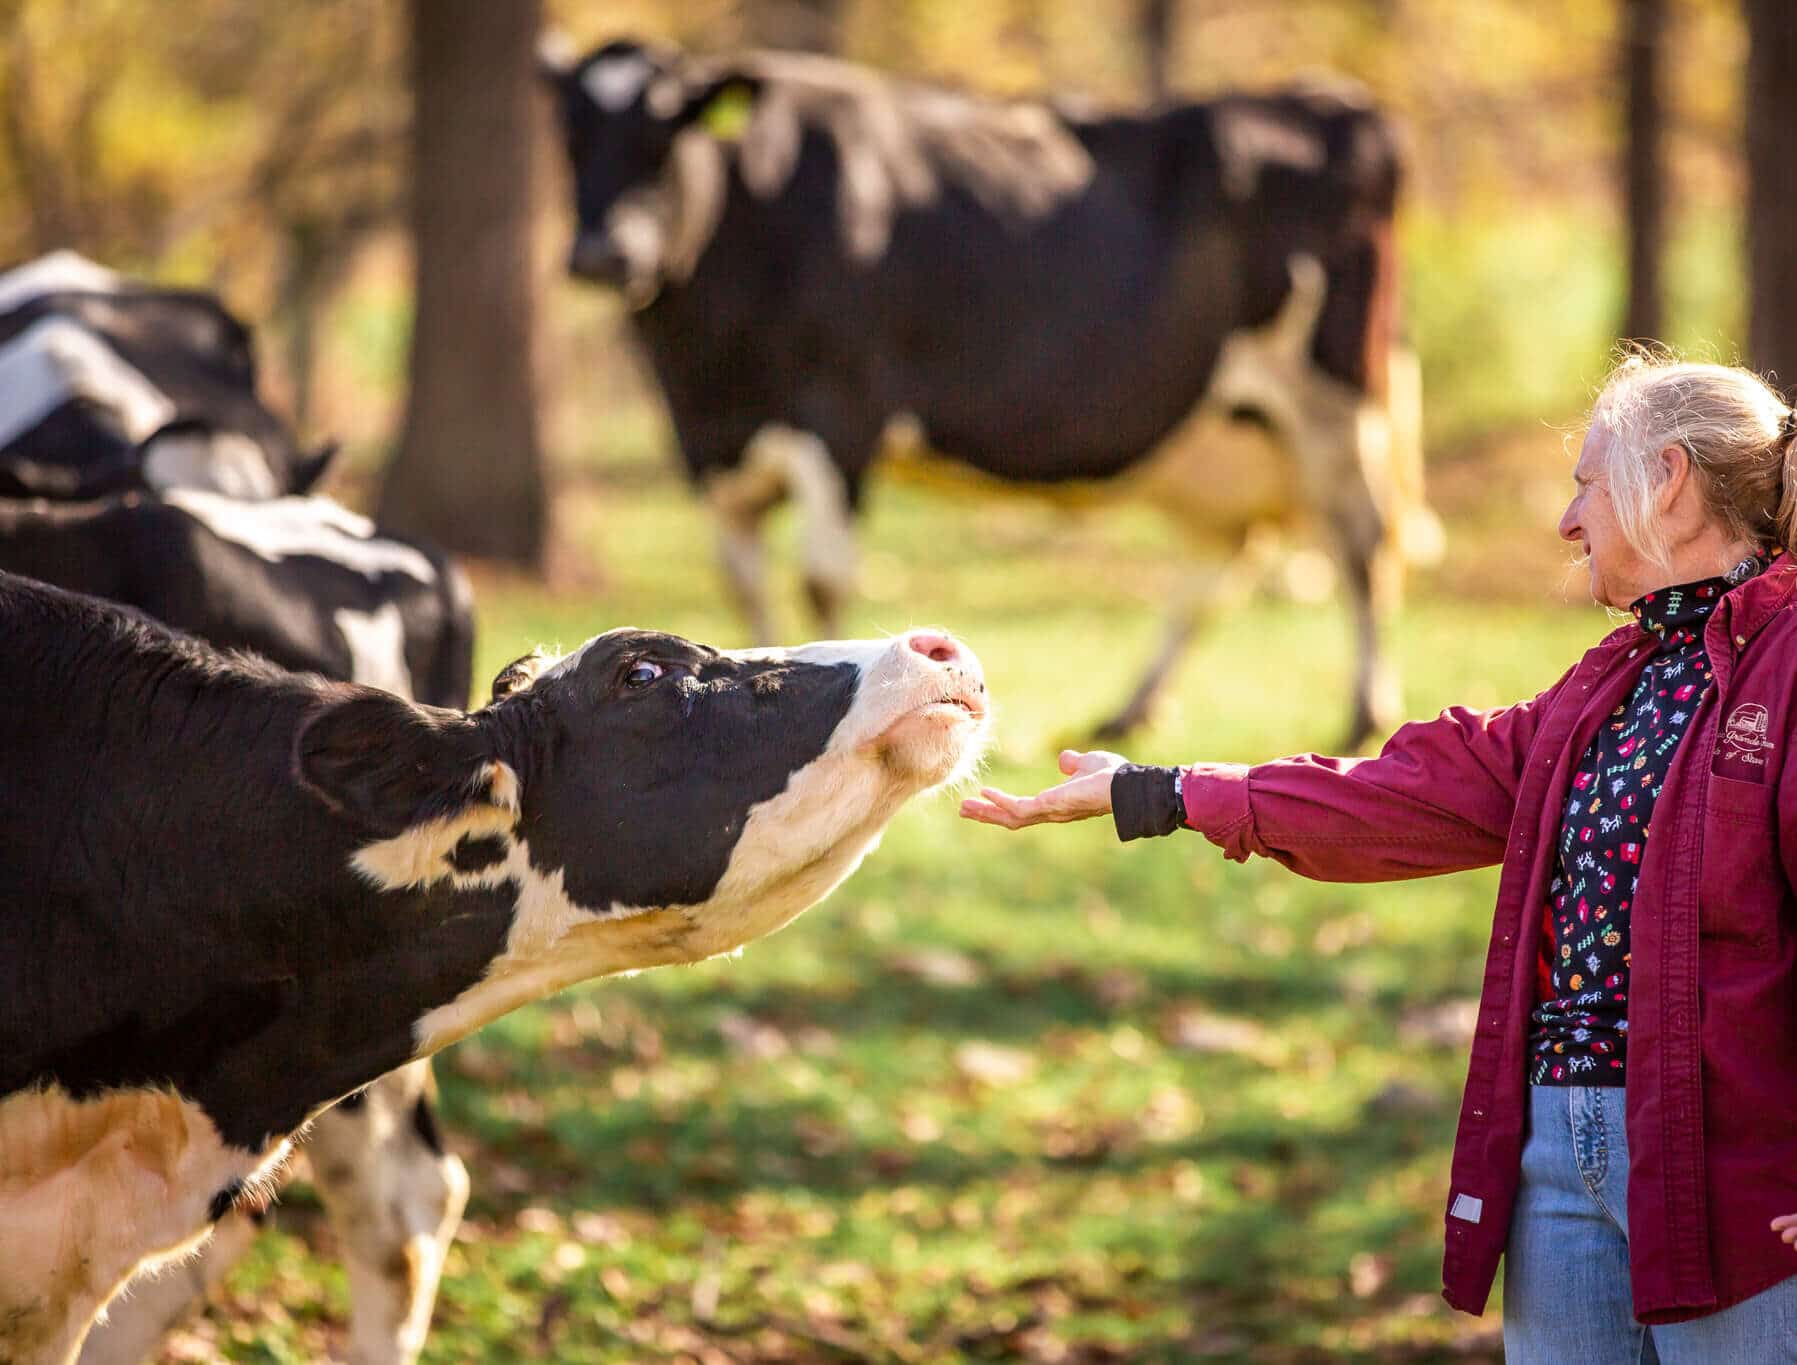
<point x="304" y="582"/>
<point x="312" y="587"/>
<point x="108" y="384"/>
<point x="813" y="252"/>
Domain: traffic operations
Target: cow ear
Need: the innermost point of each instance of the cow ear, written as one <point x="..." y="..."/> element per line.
<point x="723" y="107"/>
<point x="391" y="766"/>
<point x="520" y="673"/>
<point x="309" y="469"/>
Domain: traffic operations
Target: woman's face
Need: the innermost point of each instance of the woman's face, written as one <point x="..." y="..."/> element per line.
<point x="1619" y="573"/>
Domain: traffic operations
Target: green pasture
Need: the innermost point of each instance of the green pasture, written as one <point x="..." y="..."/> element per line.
<point x="1004" y="1096"/>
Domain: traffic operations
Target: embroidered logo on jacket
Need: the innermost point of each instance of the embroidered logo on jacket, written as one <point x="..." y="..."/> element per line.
<point x="1744" y="737"/>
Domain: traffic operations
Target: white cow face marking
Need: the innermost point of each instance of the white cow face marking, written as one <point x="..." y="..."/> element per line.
<point x="614" y="82"/>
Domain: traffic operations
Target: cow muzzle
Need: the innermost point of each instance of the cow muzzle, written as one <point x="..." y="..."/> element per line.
<point x="932" y="713"/>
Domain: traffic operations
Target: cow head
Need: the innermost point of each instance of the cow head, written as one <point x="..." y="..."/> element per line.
<point x="647" y="779"/>
<point x="646" y="198"/>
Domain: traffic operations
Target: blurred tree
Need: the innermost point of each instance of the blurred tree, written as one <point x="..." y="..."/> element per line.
<point x="1643" y="33"/>
<point x="469" y="470"/>
<point x="1772" y="187"/>
<point x="1155" y="27"/>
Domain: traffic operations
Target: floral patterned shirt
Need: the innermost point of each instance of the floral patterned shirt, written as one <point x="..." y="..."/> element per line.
<point x="1580" y="1025"/>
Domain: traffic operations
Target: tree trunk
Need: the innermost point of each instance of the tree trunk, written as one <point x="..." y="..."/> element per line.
<point x="1644" y="193"/>
<point x="1154" y="31"/>
<point x="1772" y="188"/>
<point x="469" y="472"/>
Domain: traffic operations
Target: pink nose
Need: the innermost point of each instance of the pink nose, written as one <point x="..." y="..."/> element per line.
<point x="933" y="645"/>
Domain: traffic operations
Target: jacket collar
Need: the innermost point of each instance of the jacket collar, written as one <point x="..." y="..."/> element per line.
<point x="1746" y="609"/>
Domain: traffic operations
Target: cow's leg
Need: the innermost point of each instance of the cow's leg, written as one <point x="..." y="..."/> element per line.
<point x="394" y="1198"/>
<point x="1197" y="605"/>
<point x="1343" y="440"/>
<point x="140" y="1314"/>
<point x="740" y="499"/>
<point x="822" y="470"/>
<point x="1344" y="444"/>
<point x="827" y="503"/>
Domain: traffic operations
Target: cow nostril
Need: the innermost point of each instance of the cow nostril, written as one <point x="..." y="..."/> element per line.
<point x="938" y="648"/>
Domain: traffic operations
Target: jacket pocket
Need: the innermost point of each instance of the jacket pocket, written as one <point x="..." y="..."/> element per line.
<point x="1741" y="886"/>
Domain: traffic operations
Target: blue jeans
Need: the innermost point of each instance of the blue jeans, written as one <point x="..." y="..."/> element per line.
<point x="1566" y="1269"/>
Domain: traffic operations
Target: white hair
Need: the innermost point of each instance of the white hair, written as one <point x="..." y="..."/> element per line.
<point x="1735" y="428"/>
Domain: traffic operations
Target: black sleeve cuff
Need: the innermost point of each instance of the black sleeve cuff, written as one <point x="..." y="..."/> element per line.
<point x="1146" y="801"/>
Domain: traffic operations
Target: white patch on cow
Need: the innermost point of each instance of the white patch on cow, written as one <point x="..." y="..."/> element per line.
<point x="420" y="856"/>
<point x="801" y="461"/>
<point x="569" y="662"/>
<point x="59" y="272"/>
<point x="613" y="83"/>
<point x="224" y="462"/>
<point x="91" y="1192"/>
<point x="377" y="647"/>
<point x="1268" y="367"/>
<point x="1250" y="141"/>
<point x="903" y="734"/>
<point x="314" y="528"/>
<point x="57" y="360"/>
<point x="556" y="52"/>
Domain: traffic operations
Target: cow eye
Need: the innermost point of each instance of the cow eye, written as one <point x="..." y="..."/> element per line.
<point x="642" y="673"/>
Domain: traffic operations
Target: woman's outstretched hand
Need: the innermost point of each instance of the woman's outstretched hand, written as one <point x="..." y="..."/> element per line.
<point x="1087" y="792"/>
<point x="1785" y="1225"/>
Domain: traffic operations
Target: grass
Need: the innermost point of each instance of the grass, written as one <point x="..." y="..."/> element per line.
<point x="1019" y="1097"/>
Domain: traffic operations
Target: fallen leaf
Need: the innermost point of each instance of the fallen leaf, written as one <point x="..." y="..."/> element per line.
<point x="993" y="1063"/>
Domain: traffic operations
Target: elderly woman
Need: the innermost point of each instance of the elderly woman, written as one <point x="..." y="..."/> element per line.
<point x="1629" y="1128"/>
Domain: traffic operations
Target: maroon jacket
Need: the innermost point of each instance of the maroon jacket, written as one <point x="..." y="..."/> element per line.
<point x="1712" y="1074"/>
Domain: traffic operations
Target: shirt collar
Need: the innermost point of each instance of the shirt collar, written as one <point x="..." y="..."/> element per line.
<point x="1674" y="616"/>
<point x="1747" y="608"/>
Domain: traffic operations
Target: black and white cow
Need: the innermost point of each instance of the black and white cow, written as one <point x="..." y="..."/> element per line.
<point x="231" y="895"/>
<point x="107" y="384"/>
<point x="301" y="581"/>
<point x="309" y="586"/>
<point x="813" y="251"/>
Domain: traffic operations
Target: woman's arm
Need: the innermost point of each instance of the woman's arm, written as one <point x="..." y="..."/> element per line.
<point x="1438" y="798"/>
